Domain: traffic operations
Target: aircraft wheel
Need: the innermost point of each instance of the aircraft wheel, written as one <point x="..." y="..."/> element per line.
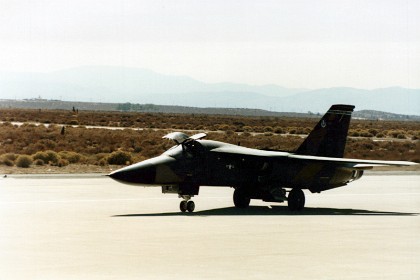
<point x="296" y="200"/>
<point x="240" y="199"/>
<point x="190" y="206"/>
<point x="183" y="206"/>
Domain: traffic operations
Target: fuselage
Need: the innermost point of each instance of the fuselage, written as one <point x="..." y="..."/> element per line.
<point x="213" y="163"/>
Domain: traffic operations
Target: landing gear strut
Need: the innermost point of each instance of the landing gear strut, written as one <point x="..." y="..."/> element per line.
<point x="187" y="204"/>
<point x="296" y="200"/>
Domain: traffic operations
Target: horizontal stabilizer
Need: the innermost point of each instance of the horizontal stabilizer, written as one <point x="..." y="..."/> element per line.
<point x="355" y="163"/>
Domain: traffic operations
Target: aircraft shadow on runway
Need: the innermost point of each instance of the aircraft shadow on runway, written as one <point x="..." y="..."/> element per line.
<point x="274" y="211"/>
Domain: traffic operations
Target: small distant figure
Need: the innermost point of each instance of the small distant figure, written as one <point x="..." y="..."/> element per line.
<point x="63" y="130"/>
<point x="5" y="176"/>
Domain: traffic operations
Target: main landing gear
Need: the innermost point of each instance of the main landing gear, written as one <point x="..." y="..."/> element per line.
<point x="240" y="198"/>
<point x="187" y="204"/>
<point x="296" y="200"/>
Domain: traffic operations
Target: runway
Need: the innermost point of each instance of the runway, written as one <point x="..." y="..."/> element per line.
<point x="90" y="227"/>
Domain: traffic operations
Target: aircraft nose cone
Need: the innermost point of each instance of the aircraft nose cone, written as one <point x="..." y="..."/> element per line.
<point x="135" y="174"/>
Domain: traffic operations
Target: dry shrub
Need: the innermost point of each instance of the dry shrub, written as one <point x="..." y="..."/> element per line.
<point x="23" y="161"/>
<point x="4" y="160"/>
<point x="397" y="134"/>
<point x="71" y="157"/>
<point x="120" y="158"/>
<point x="292" y="131"/>
<point x="8" y="159"/>
<point x="39" y="162"/>
<point x="8" y="162"/>
<point x="62" y="162"/>
<point x="102" y="162"/>
<point x="10" y="156"/>
<point x="49" y="156"/>
<point x="53" y="157"/>
<point x="73" y="122"/>
<point x="365" y="133"/>
<point x="40" y="156"/>
<point x="7" y="124"/>
<point x="246" y="128"/>
<point x="279" y="130"/>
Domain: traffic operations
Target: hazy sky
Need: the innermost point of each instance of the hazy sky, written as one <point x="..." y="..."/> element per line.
<point x="302" y="44"/>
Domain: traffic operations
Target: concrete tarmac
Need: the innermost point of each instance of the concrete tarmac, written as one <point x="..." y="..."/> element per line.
<point x="73" y="227"/>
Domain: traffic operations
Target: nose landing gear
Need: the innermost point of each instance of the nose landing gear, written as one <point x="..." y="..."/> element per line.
<point x="184" y="191"/>
<point x="187" y="204"/>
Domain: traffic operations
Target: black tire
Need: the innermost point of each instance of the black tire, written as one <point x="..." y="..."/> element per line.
<point x="296" y="200"/>
<point x="183" y="206"/>
<point x="190" y="206"/>
<point x="241" y="199"/>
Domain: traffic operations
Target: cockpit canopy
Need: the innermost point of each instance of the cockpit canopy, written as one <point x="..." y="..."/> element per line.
<point x="187" y="147"/>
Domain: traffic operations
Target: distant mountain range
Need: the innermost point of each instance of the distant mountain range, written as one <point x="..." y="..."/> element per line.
<point x="121" y="84"/>
<point x="151" y="108"/>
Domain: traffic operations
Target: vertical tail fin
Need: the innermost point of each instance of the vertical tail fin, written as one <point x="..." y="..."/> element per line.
<point x="328" y="138"/>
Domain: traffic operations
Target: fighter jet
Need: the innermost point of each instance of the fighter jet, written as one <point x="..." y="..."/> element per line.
<point x="273" y="176"/>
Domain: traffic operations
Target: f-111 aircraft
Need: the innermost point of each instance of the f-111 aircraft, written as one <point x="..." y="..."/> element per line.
<point x="317" y="165"/>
